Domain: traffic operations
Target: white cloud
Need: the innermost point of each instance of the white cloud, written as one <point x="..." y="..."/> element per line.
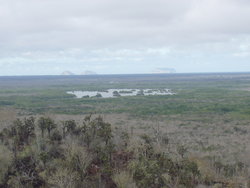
<point x="111" y="31"/>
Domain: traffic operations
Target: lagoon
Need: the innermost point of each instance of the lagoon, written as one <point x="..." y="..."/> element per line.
<point x="111" y="93"/>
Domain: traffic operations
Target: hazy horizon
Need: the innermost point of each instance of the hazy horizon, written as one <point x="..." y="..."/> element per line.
<point x="126" y="37"/>
<point x="127" y="74"/>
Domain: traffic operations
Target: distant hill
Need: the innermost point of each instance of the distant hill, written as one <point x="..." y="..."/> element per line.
<point x="67" y="73"/>
<point x="88" y="73"/>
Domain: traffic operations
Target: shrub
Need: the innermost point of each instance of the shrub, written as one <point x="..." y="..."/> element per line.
<point x="6" y="158"/>
<point x="64" y="178"/>
<point x="124" y="180"/>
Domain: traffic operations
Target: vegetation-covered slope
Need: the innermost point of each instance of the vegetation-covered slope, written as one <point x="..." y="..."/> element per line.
<point x="93" y="153"/>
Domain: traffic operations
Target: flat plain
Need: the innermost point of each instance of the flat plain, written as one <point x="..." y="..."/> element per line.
<point x="209" y="114"/>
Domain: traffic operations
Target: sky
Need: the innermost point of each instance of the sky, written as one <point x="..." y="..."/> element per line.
<point x="48" y="37"/>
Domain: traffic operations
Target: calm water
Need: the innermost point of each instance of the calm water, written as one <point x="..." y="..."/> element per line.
<point x="110" y="93"/>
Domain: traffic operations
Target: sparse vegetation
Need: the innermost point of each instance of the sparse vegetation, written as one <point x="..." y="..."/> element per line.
<point x="86" y="154"/>
<point x="196" y="138"/>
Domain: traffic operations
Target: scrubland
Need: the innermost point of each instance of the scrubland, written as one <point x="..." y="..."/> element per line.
<point x="196" y="138"/>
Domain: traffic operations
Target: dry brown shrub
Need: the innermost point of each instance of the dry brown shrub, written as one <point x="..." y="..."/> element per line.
<point x="64" y="178"/>
<point x="207" y="172"/>
<point x="124" y="180"/>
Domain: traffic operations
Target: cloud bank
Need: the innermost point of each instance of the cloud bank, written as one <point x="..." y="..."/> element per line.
<point x="110" y="36"/>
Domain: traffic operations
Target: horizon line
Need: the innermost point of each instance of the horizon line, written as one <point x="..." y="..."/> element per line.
<point x="110" y="74"/>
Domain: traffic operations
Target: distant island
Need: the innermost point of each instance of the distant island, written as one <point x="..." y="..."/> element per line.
<point x="67" y="73"/>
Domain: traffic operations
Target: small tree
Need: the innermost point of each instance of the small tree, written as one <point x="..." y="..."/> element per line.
<point x="140" y="93"/>
<point x="69" y="126"/>
<point x="104" y="131"/>
<point x="22" y="132"/>
<point x="50" y="125"/>
<point x="182" y="150"/>
<point x="125" y="138"/>
<point x="29" y="128"/>
<point x="98" y="95"/>
<point x="42" y="124"/>
<point x="116" y="94"/>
